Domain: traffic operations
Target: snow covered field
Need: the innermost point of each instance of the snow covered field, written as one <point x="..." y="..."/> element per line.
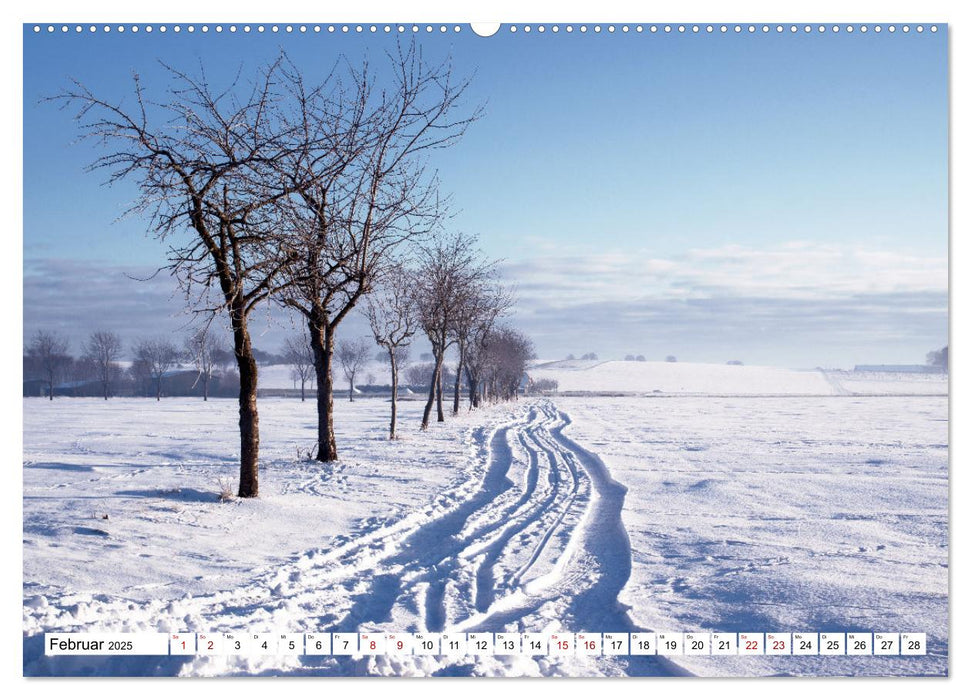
<point x="608" y="514"/>
<point x="796" y="513"/>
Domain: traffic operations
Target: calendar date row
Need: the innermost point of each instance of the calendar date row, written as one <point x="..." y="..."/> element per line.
<point x="490" y="643"/>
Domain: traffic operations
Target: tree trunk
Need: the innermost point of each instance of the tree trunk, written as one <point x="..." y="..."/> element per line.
<point x="303" y="394"/>
<point x="431" y="392"/>
<point x="105" y="387"/>
<point x="473" y="381"/>
<point x="394" y="393"/>
<point x="158" y="388"/>
<point x="438" y="395"/>
<point x="350" y="390"/>
<point x="322" y="343"/>
<point x="205" y="387"/>
<point x="50" y="388"/>
<point x="249" y="420"/>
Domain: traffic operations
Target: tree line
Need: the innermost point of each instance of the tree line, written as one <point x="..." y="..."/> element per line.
<point x="313" y="195"/>
<point x="47" y="355"/>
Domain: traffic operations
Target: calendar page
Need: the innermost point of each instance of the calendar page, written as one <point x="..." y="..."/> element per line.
<point x="546" y="349"/>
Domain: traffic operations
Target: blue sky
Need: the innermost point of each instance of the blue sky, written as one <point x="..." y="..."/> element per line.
<point x="775" y="198"/>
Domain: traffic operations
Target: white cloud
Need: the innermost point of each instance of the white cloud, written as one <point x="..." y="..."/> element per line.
<point x="792" y="270"/>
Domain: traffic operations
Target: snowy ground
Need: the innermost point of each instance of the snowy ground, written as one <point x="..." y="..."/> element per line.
<point x="786" y="514"/>
<point x="741" y="514"/>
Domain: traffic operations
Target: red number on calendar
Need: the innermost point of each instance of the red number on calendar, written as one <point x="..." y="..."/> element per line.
<point x="400" y="645"/>
<point x="373" y="646"/>
<point x="751" y="644"/>
<point x="778" y="645"/>
<point x="590" y="645"/>
<point x="209" y="647"/>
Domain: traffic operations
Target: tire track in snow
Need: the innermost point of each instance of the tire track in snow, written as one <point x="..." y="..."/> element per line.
<point x="588" y="566"/>
<point x="580" y="594"/>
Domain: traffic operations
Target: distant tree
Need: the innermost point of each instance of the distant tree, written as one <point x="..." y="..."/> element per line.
<point x="420" y="375"/>
<point x="141" y="377"/>
<point x="352" y="355"/>
<point x="571" y="356"/>
<point x="201" y="349"/>
<point x="49" y="353"/>
<point x="545" y="386"/>
<point x="82" y="372"/>
<point x="102" y="350"/>
<point x="426" y="357"/>
<point x="641" y="358"/>
<point x="300" y="357"/>
<point x="223" y="358"/>
<point x="737" y="363"/>
<point x="265" y="357"/>
<point x="484" y="301"/>
<point x="629" y="358"/>
<point x="589" y="356"/>
<point x="939" y="358"/>
<point x="670" y="358"/>
<point x="508" y="352"/>
<point x="157" y="356"/>
<point x="394" y="321"/>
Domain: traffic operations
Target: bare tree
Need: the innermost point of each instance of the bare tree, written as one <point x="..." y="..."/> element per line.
<point x="508" y="353"/>
<point x="446" y="269"/>
<point x="392" y="315"/>
<point x="544" y="386"/>
<point x="204" y="351"/>
<point x="300" y="357"/>
<point x="483" y="300"/>
<point x="459" y="300"/>
<point x="476" y="359"/>
<point x="204" y="160"/>
<point x="157" y="356"/>
<point x="102" y="350"/>
<point x="362" y="190"/>
<point x="352" y="355"/>
<point x="49" y="352"/>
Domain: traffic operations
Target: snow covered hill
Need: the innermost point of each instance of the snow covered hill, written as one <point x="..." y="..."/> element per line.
<point x="575" y="376"/>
